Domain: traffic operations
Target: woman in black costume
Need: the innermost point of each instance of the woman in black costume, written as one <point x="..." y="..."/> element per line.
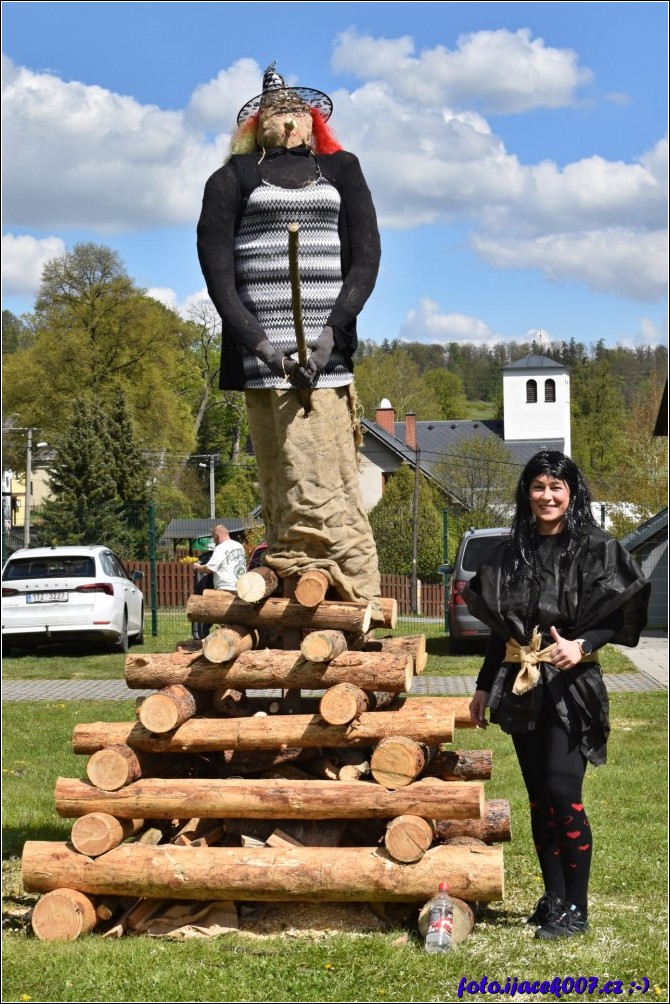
<point x="553" y="594"/>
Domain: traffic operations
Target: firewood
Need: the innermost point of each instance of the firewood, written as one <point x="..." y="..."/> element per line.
<point x="323" y="646"/>
<point x="493" y="827"/>
<point x="407" y="837"/>
<point x="311" y="588"/>
<point x="256" y="798"/>
<point x="62" y="915"/>
<point x="257" y="585"/>
<point x="280" y="839"/>
<point x="460" y="765"/>
<point x="112" y="767"/>
<point x="227" y="643"/>
<point x="354" y="874"/>
<point x="171" y="707"/>
<point x="216" y="606"/>
<point x="266" y="668"/>
<point x="99" y="832"/>
<point x="398" y="761"/>
<point x="419" y="719"/>
<point x="343" y="703"/>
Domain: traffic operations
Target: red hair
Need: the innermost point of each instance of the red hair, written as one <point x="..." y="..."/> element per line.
<point x="324" y="141"/>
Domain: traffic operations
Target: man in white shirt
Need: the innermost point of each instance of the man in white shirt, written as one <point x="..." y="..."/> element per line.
<point x="228" y="560"/>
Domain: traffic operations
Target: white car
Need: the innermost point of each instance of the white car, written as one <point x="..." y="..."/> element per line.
<point x="58" y="593"/>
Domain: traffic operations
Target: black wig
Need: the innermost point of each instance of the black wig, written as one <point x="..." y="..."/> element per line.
<point x="579" y="516"/>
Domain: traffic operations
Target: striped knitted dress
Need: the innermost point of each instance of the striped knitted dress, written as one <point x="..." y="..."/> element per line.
<point x="262" y="273"/>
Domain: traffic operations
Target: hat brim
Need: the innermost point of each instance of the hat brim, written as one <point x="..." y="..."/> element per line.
<point x="315" y="99"/>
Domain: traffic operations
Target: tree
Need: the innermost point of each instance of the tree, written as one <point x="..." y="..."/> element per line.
<point x="394" y="375"/>
<point x="392" y="522"/>
<point x="85" y="506"/>
<point x="482" y="473"/>
<point x="448" y="390"/>
<point x="598" y="441"/>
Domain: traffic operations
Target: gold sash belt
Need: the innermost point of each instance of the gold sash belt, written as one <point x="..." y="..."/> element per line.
<point x="530" y="656"/>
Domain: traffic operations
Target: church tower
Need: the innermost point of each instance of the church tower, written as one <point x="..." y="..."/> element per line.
<point x="536" y="402"/>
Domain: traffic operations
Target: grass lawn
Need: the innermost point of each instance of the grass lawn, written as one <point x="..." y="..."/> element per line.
<point x="626" y="801"/>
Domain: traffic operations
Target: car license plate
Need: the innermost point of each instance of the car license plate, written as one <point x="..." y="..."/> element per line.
<point x="46" y="597"/>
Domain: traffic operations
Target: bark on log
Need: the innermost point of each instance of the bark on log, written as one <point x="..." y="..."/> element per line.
<point x="311" y="589"/>
<point x="160" y="798"/>
<point x="266" y="668"/>
<point x="323" y="646"/>
<point x="99" y="832"/>
<point x="386" y="615"/>
<point x="343" y="703"/>
<point x="257" y="585"/>
<point x="62" y="915"/>
<point x="414" y="645"/>
<point x="407" y="838"/>
<point x="432" y="726"/>
<point x="112" y="768"/>
<point x="171" y="707"/>
<point x="398" y="761"/>
<point x="227" y="643"/>
<point x="460" y="765"/>
<point x="352" y="874"/>
<point x="215" y="606"/>
<point x="494" y="826"/>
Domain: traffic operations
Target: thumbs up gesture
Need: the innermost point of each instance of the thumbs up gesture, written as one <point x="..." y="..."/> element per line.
<point x="566" y="654"/>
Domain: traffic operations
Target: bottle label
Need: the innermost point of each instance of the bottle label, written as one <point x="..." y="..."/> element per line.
<point x="440" y="923"/>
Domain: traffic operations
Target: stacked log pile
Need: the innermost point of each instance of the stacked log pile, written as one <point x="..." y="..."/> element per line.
<point x="217" y="792"/>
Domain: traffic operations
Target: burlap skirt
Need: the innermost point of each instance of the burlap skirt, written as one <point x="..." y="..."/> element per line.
<point x="314" y="515"/>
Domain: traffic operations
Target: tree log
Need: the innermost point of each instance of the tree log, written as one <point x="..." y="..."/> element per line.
<point x="215" y="606"/>
<point x="398" y="761"/>
<point x="267" y="668"/>
<point x="407" y="838"/>
<point x="494" y="826"/>
<point x="460" y="765"/>
<point x="343" y="703"/>
<point x="113" y="767"/>
<point x="160" y="798"/>
<point x="311" y="589"/>
<point x="352" y="874"/>
<point x="63" y="914"/>
<point x="413" y="644"/>
<point x="171" y="707"/>
<point x="257" y="585"/>
<point x="227" y="643"/>
<point x="323" y="646"/>
<point x="432" y="726"/>
<point x="99" y="832"/>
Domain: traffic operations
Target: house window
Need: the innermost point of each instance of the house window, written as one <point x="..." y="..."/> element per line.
<point x="550" y="391"/>
<point x="531" y="392"/>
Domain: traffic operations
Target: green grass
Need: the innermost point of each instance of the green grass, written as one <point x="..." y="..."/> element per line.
<point x="627" y="808"/>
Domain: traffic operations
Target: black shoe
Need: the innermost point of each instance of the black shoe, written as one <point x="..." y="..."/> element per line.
<point x="564" y="924"/>
<point x="547" y="906"/>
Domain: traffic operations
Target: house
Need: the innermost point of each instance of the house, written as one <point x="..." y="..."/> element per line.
<point x="536" y="396"/>
<point x="649" y="546"/>
<point x="195" y="530"/>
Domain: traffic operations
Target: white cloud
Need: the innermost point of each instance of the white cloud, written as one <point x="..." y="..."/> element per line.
<point x="215" y="105"/>
<point x="500" y="71"/>
<point x="428" y="324"/>
<point x="23" y="258"/>
<point x="628" y="262"/>
<point x="190" y="306"/>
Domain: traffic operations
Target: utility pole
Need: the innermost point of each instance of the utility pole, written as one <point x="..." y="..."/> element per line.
<point x="29" y="477"/>
<point x="212" y="506"/>
<point x="415" y="530"/>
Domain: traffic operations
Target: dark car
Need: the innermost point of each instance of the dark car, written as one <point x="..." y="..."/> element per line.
<point x="475" y="546"/>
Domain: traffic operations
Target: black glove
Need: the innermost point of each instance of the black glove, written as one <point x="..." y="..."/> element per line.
<point x="320" y="353"/>
<point x="272" y="359"/>
<point x="296" y="375"/>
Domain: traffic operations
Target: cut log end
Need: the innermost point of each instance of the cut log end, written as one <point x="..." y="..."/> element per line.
<point x="62" y="915"/>
<point x="113" y="767"/>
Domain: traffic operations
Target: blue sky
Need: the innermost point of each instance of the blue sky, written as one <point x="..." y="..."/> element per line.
<point x="516" y="152"/>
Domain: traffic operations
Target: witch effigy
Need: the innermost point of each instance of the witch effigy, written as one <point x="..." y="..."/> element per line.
<point x="286" y="168"/>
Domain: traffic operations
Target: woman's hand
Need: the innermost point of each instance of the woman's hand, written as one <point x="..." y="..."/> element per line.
<point x="566" y="654"/>
<point x="478" y="709"/>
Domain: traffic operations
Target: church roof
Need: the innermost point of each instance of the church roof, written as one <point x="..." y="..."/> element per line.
<point x="535" y="362"/>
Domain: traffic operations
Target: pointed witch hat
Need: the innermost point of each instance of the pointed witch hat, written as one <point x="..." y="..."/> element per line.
<point x="275" y="91"/>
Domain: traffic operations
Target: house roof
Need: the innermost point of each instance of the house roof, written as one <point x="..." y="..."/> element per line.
<point x="398" y="447"/>
<point x="436" y="440"/>
<point x="642" y="533"/>
<point x="535" y="362"/>
<point x="191" y="529"/>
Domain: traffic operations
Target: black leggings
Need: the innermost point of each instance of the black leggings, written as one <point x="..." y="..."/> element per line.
<point x="553" y="770"/>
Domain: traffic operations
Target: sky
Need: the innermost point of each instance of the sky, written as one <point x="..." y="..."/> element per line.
<point x="516" y="153"/>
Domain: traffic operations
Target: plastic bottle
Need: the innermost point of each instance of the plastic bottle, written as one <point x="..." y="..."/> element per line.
<point x="440" y="921"/>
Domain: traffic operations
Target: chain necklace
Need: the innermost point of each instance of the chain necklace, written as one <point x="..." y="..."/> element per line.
<point x="536" y="577"/>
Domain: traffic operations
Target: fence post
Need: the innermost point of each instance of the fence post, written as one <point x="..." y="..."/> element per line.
<point x="445" y="559"/>
<point x="151" y="511"/>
